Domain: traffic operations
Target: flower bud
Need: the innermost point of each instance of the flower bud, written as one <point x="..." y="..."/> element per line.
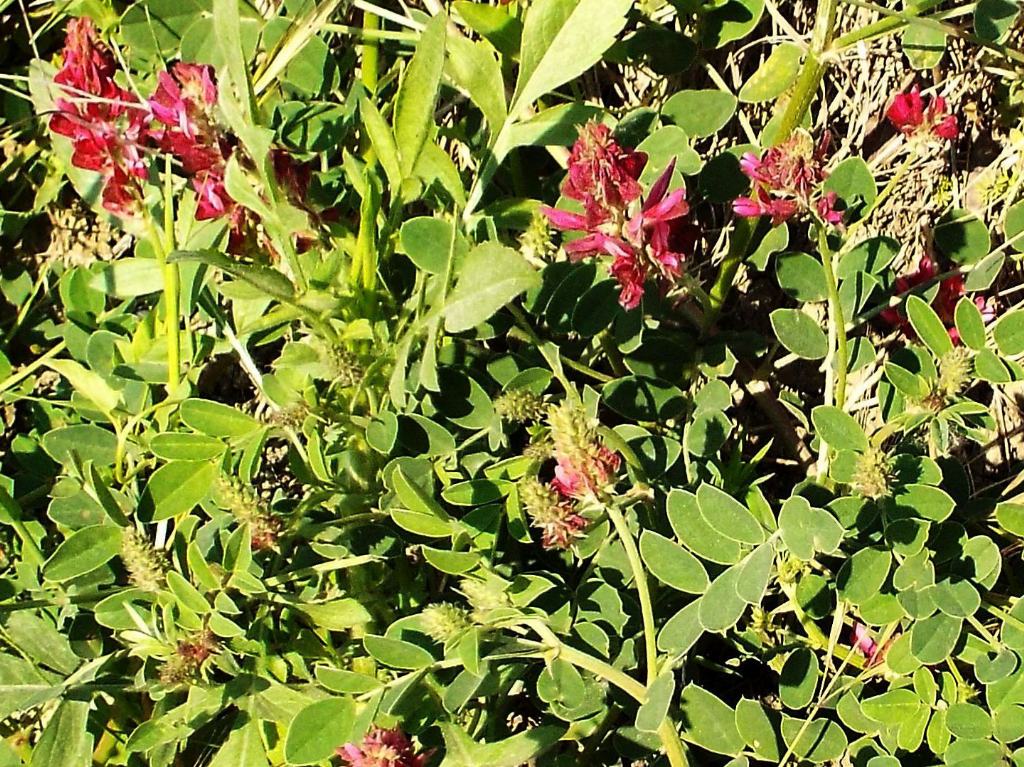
<point x="145" y="565"/>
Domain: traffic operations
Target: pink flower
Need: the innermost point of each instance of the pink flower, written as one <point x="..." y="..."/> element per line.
<point x="786" y="179"/>
<point x="578" y="476"/>
<point x="382" y="748"/>
<point x="652" y="240"/>
<point x="861" y="639"/>
<point x="602" y="175"/>
<point x="211" y="199"/>
<point x="183" y="98"/>
<point x="909" y="115"/>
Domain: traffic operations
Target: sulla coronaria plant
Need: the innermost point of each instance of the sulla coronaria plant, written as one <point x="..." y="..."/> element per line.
<point x="534" y="382"/>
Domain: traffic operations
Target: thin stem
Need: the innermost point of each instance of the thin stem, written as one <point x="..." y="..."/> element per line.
<point x="742" y="233"/>
<point x="172" y="323"/>
<point x="640" y="582"/>
<point x="837" y="323"/>
<point x="667" y="732"/>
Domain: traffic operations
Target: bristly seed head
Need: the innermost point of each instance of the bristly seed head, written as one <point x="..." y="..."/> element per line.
<point x="955" y="369"/>
<point x="146" y="565"/>
<point x="444" y="622"/>
<point x="519" y="406"/>
<point x="873" y="476"/>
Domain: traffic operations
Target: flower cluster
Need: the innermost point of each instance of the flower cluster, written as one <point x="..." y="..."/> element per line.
<point x="183" y="103"/>
<point x="584" y="466"/>
<point x="113" y="132"/>
<point x="786" y="181"/>
<point x="951" y="290"/>
<point x="382" y="748"/>
<point x="107" y="124"/>
<point x="146" y="565"/>
<point x="188" y="659"/>
<point x="584" y="469"/>
<point x="911" y="116"/>
<point x="644" y="239"/>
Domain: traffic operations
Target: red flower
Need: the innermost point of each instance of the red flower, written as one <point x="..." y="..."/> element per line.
<point x="652" y="240"/>
<point x="105" y="123"/>
<point x="602" y="175"/>
<point x="382" y="748"/>
<point x="951" y="290"/>
<point x="909" y="115"/>
<point x="183" y="98"/>
<point x="786" y="179"/>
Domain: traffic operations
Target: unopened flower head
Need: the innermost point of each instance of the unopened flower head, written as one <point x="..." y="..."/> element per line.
<point x="190" y="655"/>
<point x="264" y="528"/>
<point x="553" y="515"/>
<point x="382" y="748"/>
<point x="955" y="370"/>
<point x="484" y="596"/>
<point x="912" y="116"/>
<point x="584" y="466"/>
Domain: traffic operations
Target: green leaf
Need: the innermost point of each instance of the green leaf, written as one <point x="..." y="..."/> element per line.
<point x="854" y="183"/>
<point x="88" y="441"/>
<point x="654" y="709"/>
<point x="862" y="575"/>
<point x="66" y="741"/>
<point x="923" y="44"/>
<point x="216" y="420"/>
<point x="802" y="276"/>
<point x="994" y="18"/>
<point x="933" y="639"/>
<point x="88" y="383"/>
<point x="475" y="69"/>
<point x="722" y="606"/>
<point x="1008" y="333"/>
<point x="427" y="242"/>
<point x="263" y="278"/>
<point x="82" y="552"/>
<point x="924" y="501"/>
<point x="807" y="530"/>
<point x="728" y="516"/>
<point x="1013" y="226"/>
<point x="37" y="638"/>
<point x="755" y="572"/>
<point x="693" y="530"/>
<point x="525" y="747"/>
<point x="708" y="722"/>
<point x="817" y="740"/>
<point x="642" y="398"/>
<point x="561" y="40"/>
<point x="962" y="237"/>
<point x="180" y="446"/>
<point x="682" y="630"/>
<point x="383" y="141"/>
<point x="318" y="729"/>
<point x="336" y="615"/>
<point x="973" y="753"/>
<point x="799" y="678"/>
<point x="799" y="333"/>
<point x="871" y="256"/>
<point x="760" y="730"/>
<point x="417" y="96"/>
<point x="707" y="432"/>
<point x="494" y="23"/>
<point x="397" y="653"/>
<point x="730" y="20"/>
<point x="774" y="76"/>
<point x="892" y="707"/>
<point x="491" y="276"/>
<point x="929" y="328"/>
<point x="175" y="489"/>
<point x="700" y="112"/>
<point x="671" y="564"/>
<point x="1011" y="517"/>
<point x="838" y="428"/>
<point x="244" y="746"/>
<point x="970" y="324"/>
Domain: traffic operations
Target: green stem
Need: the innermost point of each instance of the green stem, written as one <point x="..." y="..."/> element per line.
<point x="742" y="233"/>
<point x="667" y="732"/>
<point x="172" y="323"/>
<point x="892" y="23"/>
<point x="370" y="52"/>
<point x="640" y="582"/>
<point x="837" y="323"/>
